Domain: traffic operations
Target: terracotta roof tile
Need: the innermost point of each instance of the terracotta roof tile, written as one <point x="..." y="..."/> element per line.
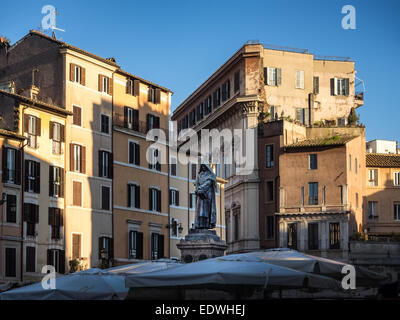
<point x="383" y="160"/>
<point x="321" y="142"/>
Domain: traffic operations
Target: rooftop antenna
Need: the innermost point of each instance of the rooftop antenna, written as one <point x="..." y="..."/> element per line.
<point x="33" y="75"/>
<point x="53" y="27"/>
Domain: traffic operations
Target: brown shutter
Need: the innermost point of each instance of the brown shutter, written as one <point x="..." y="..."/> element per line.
<point x="83" y="159"/>
<point x="136" y="87"/>
<point x="100" y="82"/>
<point x="26" y="123"/>
<point x="100" y="163"/>
<point x="77" y="193"/>
<point x="71" y="72"/>
<point x="38" y="126"/>
<point x="71" y="157"/>
<point x="128" y="88"/>
<point x="158" y="96"/>
<point x="110" y="86"/>
<point x="83" y="76"/>
<point x="62" y="133"/>
<point x="51" y="130"/>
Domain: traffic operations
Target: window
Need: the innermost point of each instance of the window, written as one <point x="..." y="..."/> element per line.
<point x="105" y="164"/>
<point x="373" y="177"/>
<point x="192" y="118"/>
<point x="200" y="111"/>
<point x="77" y="74"/>
<point x="313" y="236"/>
<point x="192" y="200"/>
<point x="105" y="124"/>
<point x="135" y="245"/>
<point x="292" y="236"/>
<point x="56" y="182"/>
<point x="133" y="195"/>
<point x="236" y="81"/>
<point x="334" y="235"/>
<point x="356" y="200"/>
<point x="30" y="259"/>
<point x="134" y="153"/>
<point x="302" y="196"/>
<point x="154" y="159"/>
<point x="56" y="222"/>
<point x="313" y="161"/>
<point x="313" y="193"/>
<point x="372" y="210"/>
<point x="77" y="158"/>
<point x="173" y="166"/>
<point x="341" y="122"/>
<point x="11" y="166"/>
<point x="269" y="156"/>
<point x="236" y="226"/>
<point x="77" y="193"/>
<point x="77" y="116"/>
<point x="397" y="211"/>
<point x="154" y="199"/>
<point x="355" y="166"/>
<point x="106" y="244"/>
<point x="269" y="228"/>
<point x="31" y="217"/>
<point x="350" y="162"/>
<point x="272" y="76"/>
<point x="105" y="84"/>
<point x="339" y="86"/>
<point x="132" y="87"/>
<point x="396" y="179"/>
<point x="227" y="169"/>
<point x="105" y="198"/>
<point x="32" y="128"/>
<point x="269" y="190"/>
<point x="157" y="246"/>
<point x="174" y="197"/>
<point x="207" y="105"/>
<point x="76" y="246"/>
<point x="316" y="85"/>
<point x="131" y="118"/>
<point x="216" y="100"/>
<point x="193" y="171"/>
<point x="226" y="89"/>
<point x="323" y="195"/>
<point x="153" y="122"/>
<point x="57" y="136"/>
<point x="11" y="262"/>
<point x="11" y="208"/>
<point x="150" y="95"/>
<point x="299" y="83"/>
<point x="301" y="115"/>
<point x="32" y="176"/>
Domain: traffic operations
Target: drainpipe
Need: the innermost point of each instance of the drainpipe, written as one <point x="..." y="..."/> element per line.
<point x="169" y="209"/>
<point x="112" y="172"/>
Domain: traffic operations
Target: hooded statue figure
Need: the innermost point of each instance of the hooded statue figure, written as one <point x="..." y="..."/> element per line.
<point x="206" y="212"/>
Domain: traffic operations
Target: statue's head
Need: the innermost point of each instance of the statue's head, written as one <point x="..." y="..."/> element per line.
<point x="203" y="167"/>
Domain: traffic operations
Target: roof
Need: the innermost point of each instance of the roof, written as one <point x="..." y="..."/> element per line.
<point x="11" y="134"/>
<point x="108" y="61"/>
<point x="37" y="103"/>
<point x="383" y="160"/>
<point x="331" y="141"/>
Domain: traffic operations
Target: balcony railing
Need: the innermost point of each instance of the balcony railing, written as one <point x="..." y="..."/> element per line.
<point x="138" y="126"/>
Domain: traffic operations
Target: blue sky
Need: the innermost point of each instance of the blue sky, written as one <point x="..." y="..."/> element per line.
<point x="179" y="44"/>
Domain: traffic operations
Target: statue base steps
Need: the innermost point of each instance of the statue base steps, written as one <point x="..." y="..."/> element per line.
<point x="201" y="244"/>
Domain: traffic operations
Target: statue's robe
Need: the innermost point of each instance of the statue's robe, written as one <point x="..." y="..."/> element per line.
<point x="206" y="212"/>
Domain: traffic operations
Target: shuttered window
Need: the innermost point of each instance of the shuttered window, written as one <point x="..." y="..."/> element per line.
<point x="77" y="74"/>
<point x="56" y="258"/>
<point x="56" y="221"/>
<point x="106" y="245"/>
<point x="11" y="165"/>
<point x="105" y="84"/>
<point x="135" y="245"/>
<point x="299" y="82"/>
<point x="56" y="181"/>
<point x="77" y="116"/>
<point x="105" y="164"/>
<point x="313" y="193"/>
<point x="131" y="118"/>
<point x="30" y="259"/>
<point x="57" y="135"/>
<point x="313" y="161"/>
<point x="11" y="262"/>
<point x="340" y="86"/>
<point x="32" y="176"/>
<point x="174" y="197"/>
<point x="269" y="151"/>
<point x="272" y="76"/>
<point x="77" y="193"/>
<point x="134" y="153"/>
<point x="11" y="208"/>
<point x="105" y="198"/>
<point x="153" y="122"/>
<point x="173" y="166"/>
<point x="77" y="158"/>
<point x="316" y="85"/>
<point x="334" y="235"/>
<point x="157" y="246"/>
<point x="31" y="217"/>
<point x="133" y="196"/>
<point x="76" y="246"/>
<point x="154" y="200"/>
<point x="32" y="129"/>
<point x="105" y="124"/>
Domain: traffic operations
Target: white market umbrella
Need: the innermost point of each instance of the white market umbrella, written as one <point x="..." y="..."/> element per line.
<point x="144" y="267"/>
<point x="216" y="272"/>
<point x="307" y="263"/>
<point x="91" y="284"/>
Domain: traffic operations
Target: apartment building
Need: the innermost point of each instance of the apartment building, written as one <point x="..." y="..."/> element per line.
<point x="141" y="212"/>
<point x="11" y="237"/>
<point x="259" y="84"/>
<point x="42" y="162"/>
<point x="382" y="198"/>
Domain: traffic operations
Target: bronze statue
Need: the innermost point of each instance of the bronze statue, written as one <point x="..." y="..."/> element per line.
<point x="205" y="185"/>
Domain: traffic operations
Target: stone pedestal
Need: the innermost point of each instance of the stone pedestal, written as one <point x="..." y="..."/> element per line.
<point x="201" y="244"/>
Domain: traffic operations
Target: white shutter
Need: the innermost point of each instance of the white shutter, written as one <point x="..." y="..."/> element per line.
<point x="335" y="83"/>
<point x="302" y="79"/>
